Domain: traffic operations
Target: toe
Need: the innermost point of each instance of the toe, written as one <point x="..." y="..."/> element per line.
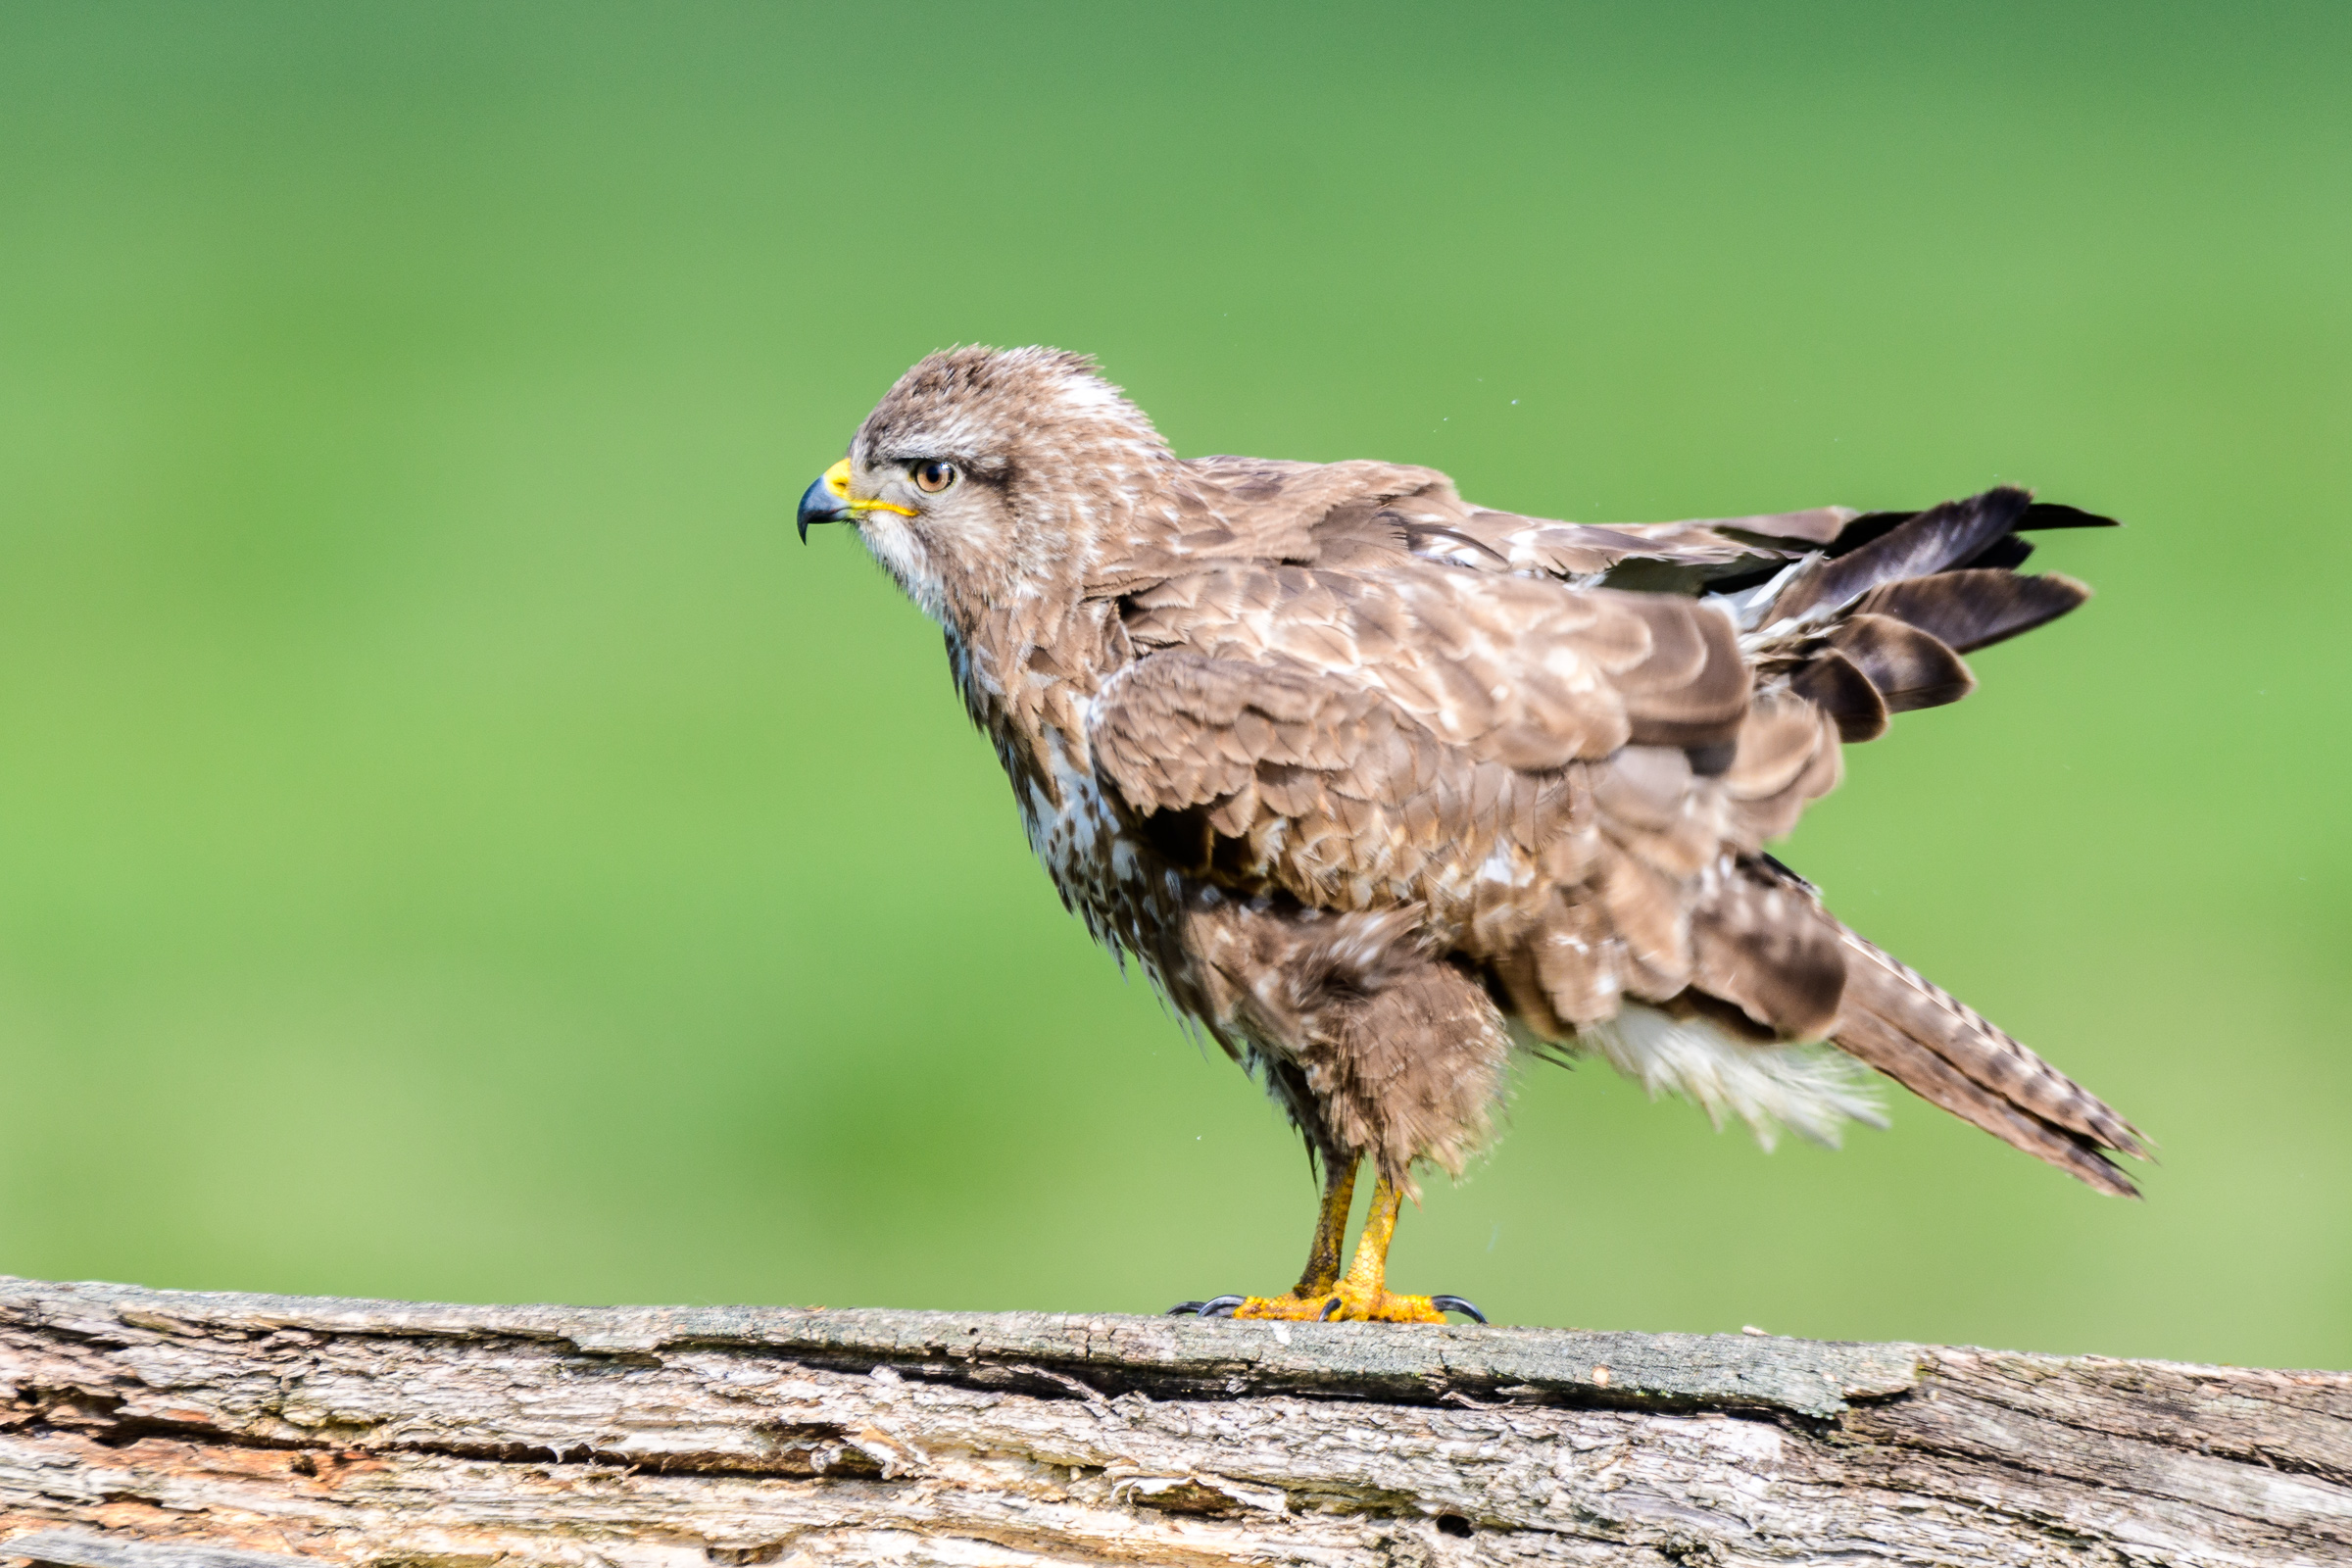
<point x="1403" y="1310"/>
<point x="1289" y="1308"/>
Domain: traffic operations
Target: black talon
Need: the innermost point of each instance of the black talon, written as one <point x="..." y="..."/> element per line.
<point x="1221" y="1305"/>
<point x="1181" y="1308"/>
<point x="1454" y="1304"/>
<point x="1331" y="1308"/>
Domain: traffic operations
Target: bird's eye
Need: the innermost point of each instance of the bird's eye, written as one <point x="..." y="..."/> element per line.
<point x="934" y="476"/>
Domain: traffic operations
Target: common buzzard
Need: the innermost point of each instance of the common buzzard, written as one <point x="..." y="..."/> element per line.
<point x="1379" y="786"/>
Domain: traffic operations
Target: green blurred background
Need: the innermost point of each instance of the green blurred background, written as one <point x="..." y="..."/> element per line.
<point x="455" y="844"/>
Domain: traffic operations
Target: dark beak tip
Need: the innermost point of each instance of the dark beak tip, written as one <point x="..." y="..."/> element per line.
<point x="819" y="504"/>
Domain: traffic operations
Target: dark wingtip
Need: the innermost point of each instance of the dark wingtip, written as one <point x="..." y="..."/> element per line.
<point x="2052" y="514"/>
<point x="1870" y="526"/>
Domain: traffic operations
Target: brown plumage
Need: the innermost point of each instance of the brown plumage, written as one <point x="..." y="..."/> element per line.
<point x="1378" y="784"/>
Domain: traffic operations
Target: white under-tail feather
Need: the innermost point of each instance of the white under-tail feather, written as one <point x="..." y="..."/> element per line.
<point x="1809" y="1089"/>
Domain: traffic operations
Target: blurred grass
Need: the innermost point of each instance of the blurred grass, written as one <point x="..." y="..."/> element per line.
<point x="454" y="843"/>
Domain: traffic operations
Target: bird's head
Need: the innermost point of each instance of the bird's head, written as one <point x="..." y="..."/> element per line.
<point x="988" y="475"/>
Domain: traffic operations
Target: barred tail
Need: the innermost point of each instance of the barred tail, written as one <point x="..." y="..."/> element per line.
<point x="1940" y="1049"/>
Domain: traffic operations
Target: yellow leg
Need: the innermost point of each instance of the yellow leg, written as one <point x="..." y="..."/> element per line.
<point x="1308" y="1297"/>
<point x="1362" y="1296"/>
<point x="1330" y="1232"/>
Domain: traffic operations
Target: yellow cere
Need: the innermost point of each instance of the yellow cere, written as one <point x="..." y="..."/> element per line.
<point x="837" y="480"/>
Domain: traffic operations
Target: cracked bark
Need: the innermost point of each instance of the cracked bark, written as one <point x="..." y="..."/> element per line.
<point x="411" y="1436"/>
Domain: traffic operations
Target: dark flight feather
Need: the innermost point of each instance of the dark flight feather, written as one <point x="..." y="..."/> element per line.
<point x="1911" y="668"/>
<point x="1837" y="685"/>
<point x="1939" y="537"/>
<point x="1976" y="606"/>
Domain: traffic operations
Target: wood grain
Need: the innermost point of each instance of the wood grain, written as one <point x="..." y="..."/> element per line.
<point x="416" y="1436"/>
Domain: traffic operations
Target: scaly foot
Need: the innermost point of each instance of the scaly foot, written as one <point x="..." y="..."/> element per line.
<point x="1345" y="1303"/>
<point x="1323" y="1295"/>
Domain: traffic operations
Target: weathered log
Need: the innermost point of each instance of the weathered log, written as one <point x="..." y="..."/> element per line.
<point x="413" y="1436"/>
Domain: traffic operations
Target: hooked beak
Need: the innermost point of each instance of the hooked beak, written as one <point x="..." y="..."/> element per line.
<point x="827" y="500"/>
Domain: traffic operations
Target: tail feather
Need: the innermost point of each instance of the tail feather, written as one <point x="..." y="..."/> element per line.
<point x="1871" y="623"/>
<point x="1942" y="1051"/>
